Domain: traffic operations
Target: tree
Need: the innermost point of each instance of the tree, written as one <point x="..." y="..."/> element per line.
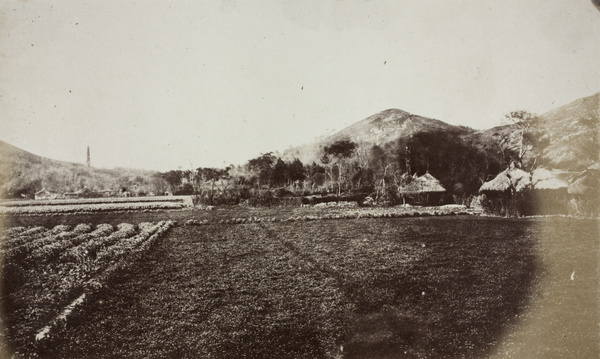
<point x="295" y="171"/>
<point x="316" y="175"/>
<point x="173" y="178"/>
<point x="338" y="153"/>
<point x="263" y="167"/>
<point x="212" y="175"/>
<point x="503" y="146"/>
<point x="381" y="165"/>
<point x="328" y="167"/>
<point x="532" y="139"/>
<point x="361" y="171"/>
<point x="158" y="183"/>
<point x="279" y="172"/>
<point x="447" y="157"/>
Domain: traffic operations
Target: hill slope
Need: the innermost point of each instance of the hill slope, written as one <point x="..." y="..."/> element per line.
<point x="22" y="172"/>
<point x="573" y="132"/>
<point x="379" y="129"/>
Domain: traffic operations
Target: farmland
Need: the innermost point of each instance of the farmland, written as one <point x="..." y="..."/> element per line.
<point x="93" y="205"/>
<point x="308" y="283"/>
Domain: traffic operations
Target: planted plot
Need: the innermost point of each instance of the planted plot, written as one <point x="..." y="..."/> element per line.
<point x="81" y="201"/>
<point x="48" y="273"/>
<point x="425" y="287"/>
<point x="79" y="208"/>
<point x="370" y="288"/>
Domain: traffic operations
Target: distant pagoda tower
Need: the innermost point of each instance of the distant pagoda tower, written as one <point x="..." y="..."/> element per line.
<point x="88" y="155"/>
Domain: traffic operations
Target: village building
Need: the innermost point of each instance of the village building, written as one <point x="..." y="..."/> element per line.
<point x="44" y="194"/>
<point x="549" y="195"/>
<point x="82" y="193"/>
<point x="106" y="193"/>
<point x="506" y="194"/>
<point x="424" y="190"/>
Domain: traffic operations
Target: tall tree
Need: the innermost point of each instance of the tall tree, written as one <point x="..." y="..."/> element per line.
<point x="339" y="153"/>
<point x="295" y="171"/>
<point x="532" y="138"/>
<point x="279" y="173"/>
<point x="263" y="167"/>
<point x="381" y="165"/>
<point x="173" y="178"/>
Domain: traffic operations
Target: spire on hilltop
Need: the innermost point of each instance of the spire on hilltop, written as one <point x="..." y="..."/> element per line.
<point x="88" y="155"/>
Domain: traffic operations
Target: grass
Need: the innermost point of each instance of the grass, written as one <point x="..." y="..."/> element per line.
<point x="425" y="287"/>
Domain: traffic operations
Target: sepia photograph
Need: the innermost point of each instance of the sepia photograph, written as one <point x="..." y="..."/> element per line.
<point x="320" y="179"/>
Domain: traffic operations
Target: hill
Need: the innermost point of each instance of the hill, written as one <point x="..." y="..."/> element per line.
<point x="24" y="173"/>
<point x="379" y="129"/>
<point x="571" y="130"/>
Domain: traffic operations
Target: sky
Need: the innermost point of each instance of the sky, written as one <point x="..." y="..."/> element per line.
<point x="184" y="84"/>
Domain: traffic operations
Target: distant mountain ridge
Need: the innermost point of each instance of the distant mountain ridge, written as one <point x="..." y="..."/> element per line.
<point x="573" y="130"/>
<point x="389" y="125"/>
<point x="379" y="129"/>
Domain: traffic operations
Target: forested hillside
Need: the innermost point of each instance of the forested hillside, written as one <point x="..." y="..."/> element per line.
<point x="24" y="173"/>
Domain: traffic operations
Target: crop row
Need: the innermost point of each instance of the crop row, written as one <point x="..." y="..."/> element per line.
<point x="352" y="214"/>
<point x="67" y="265"/>
<point x="80" y="201"/>
<point x="89" y="208"/>
<point x="29" y="250"/>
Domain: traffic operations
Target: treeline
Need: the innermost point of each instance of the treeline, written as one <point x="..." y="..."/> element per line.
<point x="347" y="168"/>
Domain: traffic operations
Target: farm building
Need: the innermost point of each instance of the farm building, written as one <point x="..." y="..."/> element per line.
<point x="549" y="193"/>
<point x="82" y="193"/>
<point x="106" y="193"/>
<point x="425" y="189"/>
<point x="507" y="193"/>
<point x="45" y="194"/>
<point x="584" y="192"/>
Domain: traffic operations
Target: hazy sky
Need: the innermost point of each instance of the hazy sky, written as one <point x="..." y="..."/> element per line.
<point x="163" y="84"/>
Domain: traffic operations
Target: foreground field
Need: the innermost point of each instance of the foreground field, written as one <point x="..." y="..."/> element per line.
<point x="47" y="274"/>
<point x="354" y="288"/>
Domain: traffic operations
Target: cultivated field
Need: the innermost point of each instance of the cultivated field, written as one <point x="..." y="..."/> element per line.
<point x="93" y="205"/>
<point x="301" y="283"/>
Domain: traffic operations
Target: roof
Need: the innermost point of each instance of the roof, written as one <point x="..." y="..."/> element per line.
<point x="507" y="179"/>
<point x="424" y="184"/>
<point x="545" y="179"/>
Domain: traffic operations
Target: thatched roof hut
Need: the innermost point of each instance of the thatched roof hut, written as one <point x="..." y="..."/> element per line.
<point x="549" y="195"/>
<point x="507" y="181"/>
<point x="543" y="179"/>
<point x="423" y="184"/>
<point x="424" y="190"/>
